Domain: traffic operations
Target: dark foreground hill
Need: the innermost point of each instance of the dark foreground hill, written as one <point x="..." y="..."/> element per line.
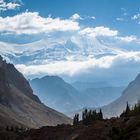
<point x="92" y="126"/>
<point x="113" y="129"/>
<point x="19" y="106"/>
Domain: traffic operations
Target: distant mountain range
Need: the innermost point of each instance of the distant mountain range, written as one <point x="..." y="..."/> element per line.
<point x="19" y="106"/>
<point x="56" y="93"/>
<point x="62" y="96"/>
<point x="82" y="86"/>
<point x="130" y="94"/>
<point x="98" y="93"/>
<point x="96" y="97"/>
<point x="57" y="50"/>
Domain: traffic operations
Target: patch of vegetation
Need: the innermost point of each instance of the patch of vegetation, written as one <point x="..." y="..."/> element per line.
<point x="88" y="116"/>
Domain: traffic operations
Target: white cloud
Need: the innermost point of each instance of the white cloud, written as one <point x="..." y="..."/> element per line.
<point x="90" y="17"/>
<point x="122" y="62"/>
<point x="33" y="23"/>
<point x="8" y="6"/>
<point x="93" y="17"/>
<point x="120" y="19"/>
<point x="128" y="38"/>
<point x="135" y="16"/>
<point x="76" y="17"/>
<point x="65" y="67"/>
<point x="98" y="31"/>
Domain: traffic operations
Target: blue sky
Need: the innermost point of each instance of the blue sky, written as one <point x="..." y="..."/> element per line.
<point x="115" y="14"/>
<point x="105" y="11"/>
<point x="88" y="39"/>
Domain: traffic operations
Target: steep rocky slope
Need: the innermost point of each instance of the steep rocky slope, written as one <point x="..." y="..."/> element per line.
<point x="131" y="95"/>
<point x="18" y="104"/>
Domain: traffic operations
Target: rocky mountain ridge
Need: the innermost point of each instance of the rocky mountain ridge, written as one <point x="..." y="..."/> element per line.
<point x="18" y="104"/>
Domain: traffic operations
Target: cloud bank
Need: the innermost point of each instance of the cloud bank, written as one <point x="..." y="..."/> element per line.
<point x="4" y="6"/>
<point x="108" y="68"/>
<point x="98" y="31"/>
<point x="32" y="23"/>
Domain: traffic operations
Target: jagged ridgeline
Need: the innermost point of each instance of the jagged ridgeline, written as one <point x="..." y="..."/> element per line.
<point x="19" y="106"/>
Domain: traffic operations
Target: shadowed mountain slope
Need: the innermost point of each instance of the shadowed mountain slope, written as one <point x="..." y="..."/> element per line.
<point x="131" y="95"/>
<point x="18" y="104"/>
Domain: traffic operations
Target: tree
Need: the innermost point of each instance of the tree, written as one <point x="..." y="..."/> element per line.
<point x="7" y="128"/>
<point x="88" y="116"/>
<point x="1" y="58"/>
<point x="127" y="109"/>
<point x="126" y="112"/>
<point x="94" y="115"/>
<point x="100" y="114"/>
<point x="85" y="116"/>
<point x="12" y="128"/>
<point x="76" y="119"/>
